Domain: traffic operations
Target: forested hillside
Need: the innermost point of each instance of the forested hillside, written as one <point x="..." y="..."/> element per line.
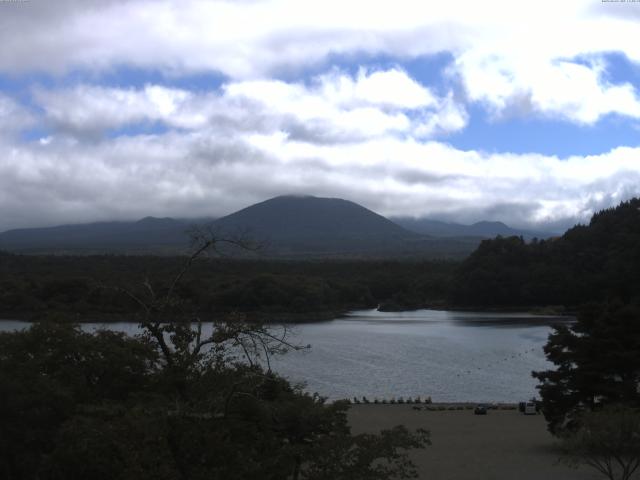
<point x="591" y="262"/>
<point x="86" y="287"/>
<point x="588" y="263"/>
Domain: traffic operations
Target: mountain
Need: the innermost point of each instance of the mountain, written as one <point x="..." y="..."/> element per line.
<point x="312" y="224"/>
<point x="483" y="229"/>
<point x="288" y="226"/>
<point x="147" y="233"/>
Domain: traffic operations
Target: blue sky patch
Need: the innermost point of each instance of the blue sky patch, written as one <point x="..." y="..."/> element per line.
<point x="544" y="136"/>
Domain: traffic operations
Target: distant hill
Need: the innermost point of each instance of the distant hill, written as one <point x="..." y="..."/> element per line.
<point x="147" y="234"/>
<point x="483" y="229"/>
<point x="588" y="263"/>
<point x="311" y="224"/>
<point x="288" y="226"/>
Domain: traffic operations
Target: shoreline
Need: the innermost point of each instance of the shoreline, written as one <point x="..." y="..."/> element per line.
<point x="265" y="318"/>
<point x="536" y="310"/>
<point x="288" y="317"/>
<point x="437" y="406"/>
<point x="257" y="317"/>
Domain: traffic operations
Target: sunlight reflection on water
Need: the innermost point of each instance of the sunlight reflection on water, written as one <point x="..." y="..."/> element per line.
<point x="450" y="356"/>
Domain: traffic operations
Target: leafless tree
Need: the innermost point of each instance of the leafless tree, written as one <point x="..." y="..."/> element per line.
<point x="178" y="331"/>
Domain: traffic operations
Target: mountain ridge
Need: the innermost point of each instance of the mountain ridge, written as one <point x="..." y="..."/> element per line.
<point x="290" y="225"/>
<point x="483" y="228"/>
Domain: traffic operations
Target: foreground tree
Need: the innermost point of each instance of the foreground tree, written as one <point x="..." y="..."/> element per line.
<point x="51" y="373"/>
<point x="608" y="441"/>
<point x="183" y="400"/>
<point x="597" y="363"/>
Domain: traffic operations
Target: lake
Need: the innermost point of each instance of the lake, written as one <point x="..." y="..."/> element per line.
<point x="450" y="356"/>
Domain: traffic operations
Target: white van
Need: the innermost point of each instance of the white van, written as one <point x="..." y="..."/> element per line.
<point x="530" y="408"/>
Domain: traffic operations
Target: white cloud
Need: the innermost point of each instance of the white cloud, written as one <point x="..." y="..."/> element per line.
<point x="512" y="56"/>
<point x="451" y="117"/>
<point x="94" y="109"/>
<point x="387" y="88"/>
<point x="335" y="107"/>
<point x="13" y="116"/>
<point x="373" y="136"/>
<point x="212" y="172"/>
<point x="558" y="88"/>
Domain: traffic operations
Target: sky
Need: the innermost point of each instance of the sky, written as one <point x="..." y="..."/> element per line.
<point x="522" y="112"/>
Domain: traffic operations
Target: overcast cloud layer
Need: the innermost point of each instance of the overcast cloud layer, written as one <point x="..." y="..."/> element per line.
<point x="320" y="98"/>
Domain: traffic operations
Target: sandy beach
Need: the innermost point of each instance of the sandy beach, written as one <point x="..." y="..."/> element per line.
<point x="502" y="445"/>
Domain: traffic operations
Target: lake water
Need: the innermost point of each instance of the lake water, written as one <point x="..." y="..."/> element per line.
<point x="450" y="356"/>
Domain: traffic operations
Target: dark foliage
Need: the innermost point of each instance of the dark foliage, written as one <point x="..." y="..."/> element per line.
<point x="597" y="364"/>
<point x="49" y="374"/>
<point x="588" y="263"/>
<point x="42" y="287"/>
<point x="75" y="405"/>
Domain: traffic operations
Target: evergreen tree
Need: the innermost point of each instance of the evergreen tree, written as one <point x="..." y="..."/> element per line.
<point x="597" y="363"/>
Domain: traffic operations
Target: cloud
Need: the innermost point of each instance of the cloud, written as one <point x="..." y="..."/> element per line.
<point x="392" y="89"/>
<point x="375" y="135"/>
<point x="13" y="116"/>
<point x="241" y="39"/>
<point x="88" y="109"/>
<point x="333" y="108"/>
<point x="207" y="172"/>
<point x="513" y="58"/>
<point x="560" y="88"/>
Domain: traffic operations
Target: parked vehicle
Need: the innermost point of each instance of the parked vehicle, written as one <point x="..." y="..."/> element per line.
<point x="480" y="410"/>
<point x="530" y="408"/>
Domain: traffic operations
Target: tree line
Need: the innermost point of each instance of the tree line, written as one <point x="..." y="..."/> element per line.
<point x="81" y="288"/>
<point x="594" y="262"/>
